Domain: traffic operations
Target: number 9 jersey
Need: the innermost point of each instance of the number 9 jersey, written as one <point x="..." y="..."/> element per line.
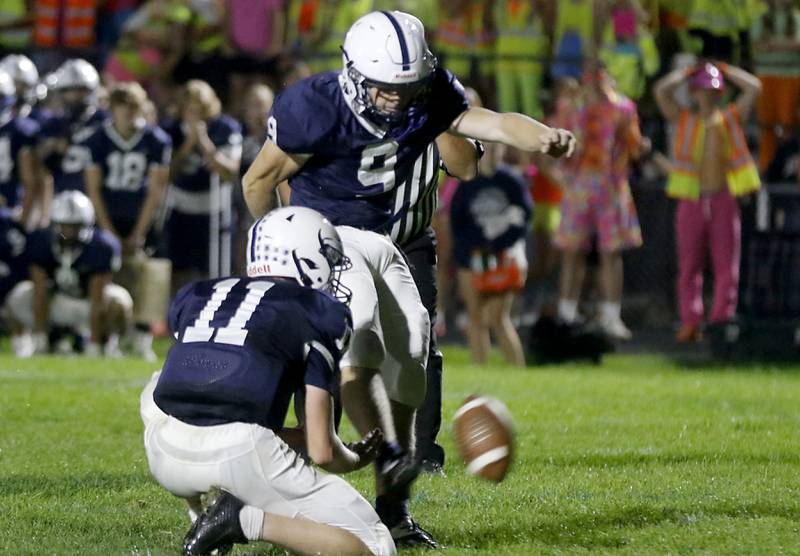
<point x="360" y="175"/>
<point x="245" y="346"/>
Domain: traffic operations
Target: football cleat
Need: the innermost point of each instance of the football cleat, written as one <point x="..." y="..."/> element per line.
<point x="432" y="467"/>
<point x="408" y="534"/>
<point x="217" y="529"/>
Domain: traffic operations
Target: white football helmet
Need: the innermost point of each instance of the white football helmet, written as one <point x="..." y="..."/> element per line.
<point x="386" y="50"/>
<point x="7" y="91"/>
<point x="298" y="243"/>
<point x="26" y="78"/>
<point x="73" y="207"/>
<point x="76" y="73"/>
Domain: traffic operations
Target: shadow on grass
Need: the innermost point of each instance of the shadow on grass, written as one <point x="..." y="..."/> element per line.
<point x="609" y="529"/>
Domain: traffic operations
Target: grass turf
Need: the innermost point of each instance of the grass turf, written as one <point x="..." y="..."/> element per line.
<point x="638" y="456"/>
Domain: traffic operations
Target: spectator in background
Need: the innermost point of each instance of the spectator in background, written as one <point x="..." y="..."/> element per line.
<point x="63" y="29"/>
<point x="578" y="24"/>
<point x="454" y="40"/>
<point x="628" y="49"/>
<point x="255" y="35"/>
<point x="152" y="43"/>
<point x="71" y="264"/>
<point x="711" y="167"/>
<point x="548" y="183"/>
<point x="317" y="29"/>
<point x="489" y="217"/>
<point x="521" y="49"/>
<point x="776" y="49"/>
<point x="597" y="204"/>
<point x="203" y="58"/>
<point x="258" y="102"/>
<point x="445" y="268"/>
<point x="111" y="17"/>
<point x="16" y="20"/>
<point x="208" y="150"/>
<point x="721" y="27"/>
<point x="126" y="180"/>
<point x="18" y="185"/>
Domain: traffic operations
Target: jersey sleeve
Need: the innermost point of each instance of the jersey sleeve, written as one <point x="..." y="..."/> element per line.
<point x="162" y="147"/>
<point x="37" y="248"/>
<point x="28" y="130"/>
<point x="176" y="307"/>
<point x="447" y="100"/>
<point x="106" y="256"/>
<point x="300" y="121"/>
<point x="95" y="146"/>
<point x="333" y="326"/>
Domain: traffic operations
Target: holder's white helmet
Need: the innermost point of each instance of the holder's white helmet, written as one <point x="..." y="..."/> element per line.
<point x="76" y="73"/>
<point x="299" y="243"/>
<point x="73" y="207"/>
<point x="386" y="50"/>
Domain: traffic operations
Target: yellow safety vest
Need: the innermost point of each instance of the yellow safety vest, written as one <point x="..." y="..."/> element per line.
<point x="684" y="181"/>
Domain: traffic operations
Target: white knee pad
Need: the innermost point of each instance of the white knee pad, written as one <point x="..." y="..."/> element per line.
<point x="19" y="304"/>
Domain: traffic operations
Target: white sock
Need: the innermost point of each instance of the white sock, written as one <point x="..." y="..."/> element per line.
<point x="610" y="311"/>
<point x="567" y="310"/>
<point x="252" y="521"/>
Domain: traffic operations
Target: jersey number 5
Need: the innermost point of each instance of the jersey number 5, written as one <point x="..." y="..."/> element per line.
<point x="235" y="332"/>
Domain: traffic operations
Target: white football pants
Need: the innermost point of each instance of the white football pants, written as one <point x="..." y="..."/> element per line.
<point x="391" y="327"/>
<point x="253" y="464"/>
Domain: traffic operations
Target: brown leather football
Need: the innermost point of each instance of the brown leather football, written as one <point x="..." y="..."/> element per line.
<point x="484" y="436"/>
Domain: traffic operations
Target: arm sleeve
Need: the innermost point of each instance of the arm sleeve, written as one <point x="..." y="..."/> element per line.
<point x="163" y="149"/>
<point x="324" y="353"/>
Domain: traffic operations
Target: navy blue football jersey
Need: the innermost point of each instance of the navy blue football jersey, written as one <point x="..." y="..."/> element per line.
<point x="359" y="175"/>
<point x="489" y="214"/>
<point x="13" y="263"/>
<point x="70" y="269"/>
<point x="245" y="345"/>
<point x="125" y="164"/>
<point x="67" y="170"/>
<point x="15" y="134"/>
<point x="194" y="175"/>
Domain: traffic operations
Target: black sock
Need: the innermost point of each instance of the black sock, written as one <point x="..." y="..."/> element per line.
<point x="391" y="509"/>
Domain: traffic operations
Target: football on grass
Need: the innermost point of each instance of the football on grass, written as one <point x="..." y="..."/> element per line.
<point x="484" y="436"/>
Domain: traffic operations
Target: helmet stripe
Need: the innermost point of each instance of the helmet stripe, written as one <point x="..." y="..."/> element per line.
<point x="253" y="237"/>
<point x="401" y="38"/>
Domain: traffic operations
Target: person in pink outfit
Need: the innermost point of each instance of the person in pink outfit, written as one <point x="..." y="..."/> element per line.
<point x="597" y="202"/>
<point x="711" y="167"/>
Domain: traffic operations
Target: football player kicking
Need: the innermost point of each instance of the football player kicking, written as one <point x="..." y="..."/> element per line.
<point x="362" y="147"/>
<point x="214" y="415"/>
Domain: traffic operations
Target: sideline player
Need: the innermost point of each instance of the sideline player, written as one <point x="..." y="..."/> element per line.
<point x="214" y="415"/>
<point x="126" y="180"/>
<point x="71" y="264"/>
<point x="360" y="146"/>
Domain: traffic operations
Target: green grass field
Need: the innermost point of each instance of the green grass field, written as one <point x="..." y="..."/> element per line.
<point x="639" y="456"/>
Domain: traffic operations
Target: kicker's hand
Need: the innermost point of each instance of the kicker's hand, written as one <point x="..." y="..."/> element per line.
<point x="367" y="448"/>
<point x="558" y="142"/>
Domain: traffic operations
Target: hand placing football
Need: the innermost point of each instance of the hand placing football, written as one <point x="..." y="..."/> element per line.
<point x="484" y="436"/>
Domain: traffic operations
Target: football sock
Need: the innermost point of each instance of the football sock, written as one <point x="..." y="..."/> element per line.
<point x="389" y="451"/>
<point x="567" y="310"/>
<point x="391" y="509"/>
<point x="610" y="311"/>
<point x="252" y="521"/>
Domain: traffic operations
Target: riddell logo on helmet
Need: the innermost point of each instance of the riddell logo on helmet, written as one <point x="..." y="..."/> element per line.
<point x="256" y="269"/>
<point x="405" y="75"/>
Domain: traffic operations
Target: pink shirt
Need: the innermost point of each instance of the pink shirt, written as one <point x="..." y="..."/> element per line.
<point x="251" y="23"/>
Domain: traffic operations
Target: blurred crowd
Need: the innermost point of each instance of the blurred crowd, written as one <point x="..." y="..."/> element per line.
<point x="79" y="79"/>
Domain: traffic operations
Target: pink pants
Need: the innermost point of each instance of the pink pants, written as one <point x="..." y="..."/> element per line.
<point x="709" y="224"/>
